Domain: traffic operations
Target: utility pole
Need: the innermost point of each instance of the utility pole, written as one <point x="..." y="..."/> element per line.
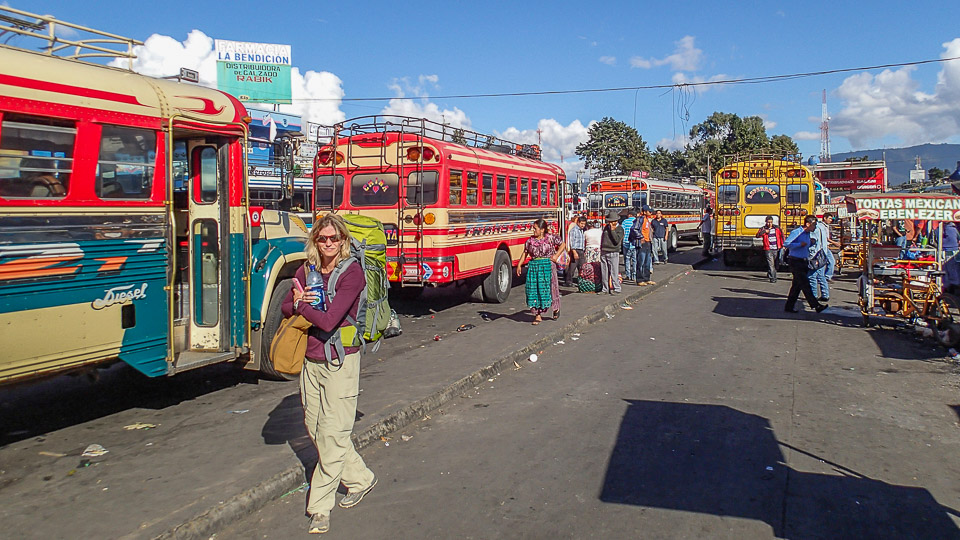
<point x="709" y="173"/>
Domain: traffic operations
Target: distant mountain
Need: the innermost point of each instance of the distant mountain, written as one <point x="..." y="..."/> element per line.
<point x="901" y="160"/>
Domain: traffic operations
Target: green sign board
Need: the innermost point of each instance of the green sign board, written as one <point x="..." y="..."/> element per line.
<point x="254" y="72"/>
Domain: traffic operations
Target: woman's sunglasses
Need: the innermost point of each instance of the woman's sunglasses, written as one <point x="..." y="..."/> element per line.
<point x="323" y="239"/>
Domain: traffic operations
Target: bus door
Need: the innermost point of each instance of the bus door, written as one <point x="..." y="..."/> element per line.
<point x="206" y="238"/>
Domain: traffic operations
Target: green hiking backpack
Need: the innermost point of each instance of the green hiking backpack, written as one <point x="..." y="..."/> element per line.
<point x="368" y="248"/>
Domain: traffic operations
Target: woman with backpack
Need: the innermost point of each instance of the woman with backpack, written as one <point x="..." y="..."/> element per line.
<point x="329" y="387"/>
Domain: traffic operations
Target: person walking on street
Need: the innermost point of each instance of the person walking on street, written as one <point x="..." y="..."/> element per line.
<point x="541" y="250"/>
<point x="575" y="242"/>
<point x="832" y="244"/>
<point x="819" y="238"/>
<point x="629" y="249"/>
<point x="772" y="236"/>
<point x="706" y="231"/>
<point x="610" y="247"/>
<point x="951" y="240"/>
<point x="660" y="228"/>
<point x="591" y="238"/>
<point x="798" y="244"/>
<point x="329" y="387"/>
<point x="641" y="234"/>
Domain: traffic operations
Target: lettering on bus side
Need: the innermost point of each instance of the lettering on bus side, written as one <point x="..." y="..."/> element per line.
<point x="120" y="295"/>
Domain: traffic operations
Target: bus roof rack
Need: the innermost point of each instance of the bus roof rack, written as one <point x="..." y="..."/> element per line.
<point x="761" y="155"/>
<point x="423" y="127"/>
<point x="57" y="37"/>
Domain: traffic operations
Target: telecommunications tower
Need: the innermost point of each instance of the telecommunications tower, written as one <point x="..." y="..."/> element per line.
<point x="824" y="132"/>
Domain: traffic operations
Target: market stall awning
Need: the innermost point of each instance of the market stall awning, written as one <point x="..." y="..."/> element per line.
<point x="916" y="206"/>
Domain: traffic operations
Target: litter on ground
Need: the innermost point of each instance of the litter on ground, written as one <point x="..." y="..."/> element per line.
<point x="94" y="450"/>
<point x="139" y="425"/>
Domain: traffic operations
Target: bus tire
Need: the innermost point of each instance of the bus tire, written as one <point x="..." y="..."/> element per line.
<point x="271" y="322"/>
<point x="496" y="286"/>
<point x="672" y="240"/>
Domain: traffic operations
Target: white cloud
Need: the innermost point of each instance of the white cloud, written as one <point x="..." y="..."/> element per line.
<point x="767" y="123"/>
<point x="556" y="140"/>
<point x="608" y="60"/>
<point x="686" y="57"/>
<point x="676" y="143"/>
<point x="891" y="104"/>
<point x="683" y="78"/>
<point x="423" y="107"/>
<point x="316" y="94"/>
<point x="806" y="136"/>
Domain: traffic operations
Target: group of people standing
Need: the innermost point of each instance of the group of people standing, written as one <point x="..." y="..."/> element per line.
<point x="640" y="240"/>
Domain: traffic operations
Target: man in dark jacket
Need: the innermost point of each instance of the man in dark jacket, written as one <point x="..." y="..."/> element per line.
<point x="611" y="244"/>
<point x="660" y="227"/>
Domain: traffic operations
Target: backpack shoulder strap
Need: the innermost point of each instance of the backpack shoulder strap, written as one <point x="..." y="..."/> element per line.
<point x="335" y="276"/>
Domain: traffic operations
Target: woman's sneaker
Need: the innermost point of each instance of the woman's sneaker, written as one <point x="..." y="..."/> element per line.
<point x="319" y="524"/>
<point x="352" y="498"/>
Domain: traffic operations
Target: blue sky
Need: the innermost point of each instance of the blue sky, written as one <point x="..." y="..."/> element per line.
<point x="431" y="48"/>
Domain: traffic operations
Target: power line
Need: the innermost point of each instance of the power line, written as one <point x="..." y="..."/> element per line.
<point x="743" y="80"/>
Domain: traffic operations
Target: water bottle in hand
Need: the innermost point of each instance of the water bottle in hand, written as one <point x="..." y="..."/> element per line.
<point x="315" y="285"/>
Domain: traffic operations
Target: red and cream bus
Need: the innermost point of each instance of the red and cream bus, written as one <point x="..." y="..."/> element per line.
<point x="125" y="228"/>
<point x="457" y="205"/>
<point x="681" y="203"/>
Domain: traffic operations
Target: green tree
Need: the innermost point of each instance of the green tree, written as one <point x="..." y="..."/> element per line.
<point x="614" y="147"/>
<point x="783" y="144"/>
<point x="723" y="135"/>
<point x="936" y="174"/>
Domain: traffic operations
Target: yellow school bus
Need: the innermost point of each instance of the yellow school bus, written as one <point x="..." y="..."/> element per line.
<point x="750" y="188"/>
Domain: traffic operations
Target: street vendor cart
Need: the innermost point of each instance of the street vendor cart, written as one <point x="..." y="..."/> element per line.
<point x="905" y="283"/>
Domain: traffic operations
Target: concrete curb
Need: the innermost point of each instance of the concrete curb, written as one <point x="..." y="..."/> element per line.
<point x="204" y="525"/>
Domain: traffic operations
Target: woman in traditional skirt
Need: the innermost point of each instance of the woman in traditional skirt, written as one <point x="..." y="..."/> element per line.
<point x="591" y="238"/>
<point x="541" y="251"/>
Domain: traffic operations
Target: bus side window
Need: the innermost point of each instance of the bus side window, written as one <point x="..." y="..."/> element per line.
<point x="36" y="157"/>
<point x="473" y="189"/>
<point x="544" y="187"/>
<point x="487" y="189"/>
<point x="515" y="186"/>
<point x="501" y="190"/>
<point x="456" y="187"/>
<point x="126" y="164"/>
<point x="525" y="191"/>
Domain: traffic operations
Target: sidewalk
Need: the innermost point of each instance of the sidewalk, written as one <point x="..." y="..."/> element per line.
<point x="430" y="378"/>
<point x="217" y="456"/>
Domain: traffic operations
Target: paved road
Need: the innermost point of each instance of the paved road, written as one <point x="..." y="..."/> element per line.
<point x="705" y="412"/>
<point x="219" y="430"/>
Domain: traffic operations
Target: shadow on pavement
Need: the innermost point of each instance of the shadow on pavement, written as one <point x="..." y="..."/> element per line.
<point x="29" y="410"/>
<point x="956" y="410"/>
<point x="763" y="294"/>
<point x="284" y="425"/>
<point x="716" y="460"/>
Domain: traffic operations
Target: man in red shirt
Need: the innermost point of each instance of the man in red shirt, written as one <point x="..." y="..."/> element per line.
<point x="772" y="236"/>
